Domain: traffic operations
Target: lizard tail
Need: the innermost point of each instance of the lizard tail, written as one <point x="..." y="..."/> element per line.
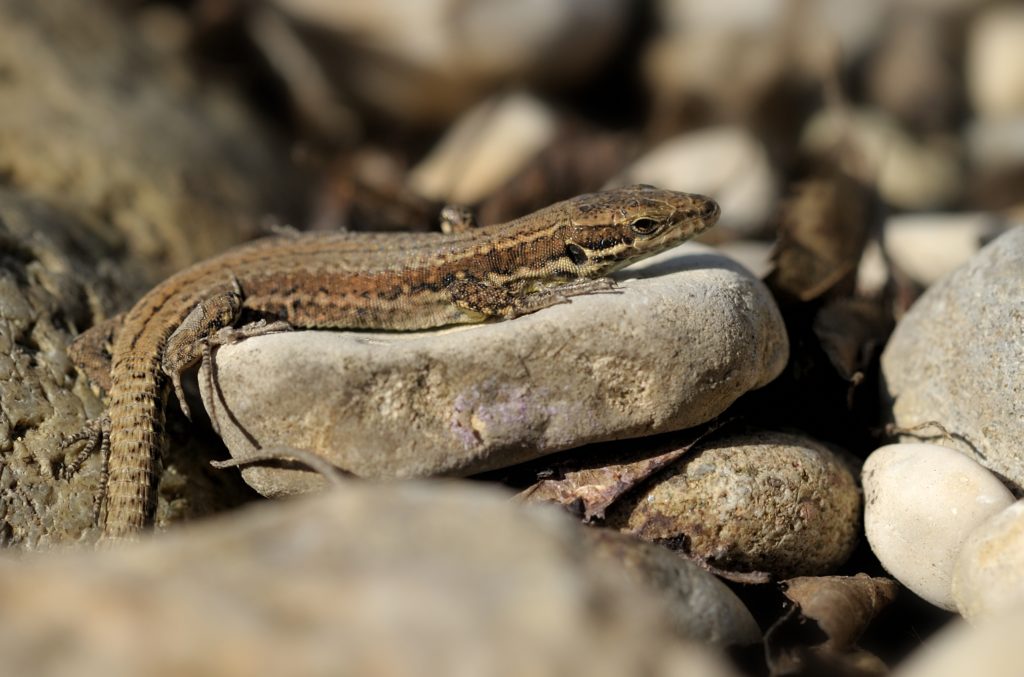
<point x="136" y="434"/>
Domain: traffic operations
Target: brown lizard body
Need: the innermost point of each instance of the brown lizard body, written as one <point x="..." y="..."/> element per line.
<point x="369" y="281"/>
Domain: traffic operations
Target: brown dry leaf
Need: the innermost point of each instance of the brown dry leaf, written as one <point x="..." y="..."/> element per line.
<point x="589" y="487"/>
<point x="851" y="332"/>
<point x="817" y="636"/>
<point x="823" y="228"/>
<point x="842" y="606"/>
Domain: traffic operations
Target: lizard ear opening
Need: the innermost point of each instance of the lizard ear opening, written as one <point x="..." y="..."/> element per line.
<point x="576" y="253"/>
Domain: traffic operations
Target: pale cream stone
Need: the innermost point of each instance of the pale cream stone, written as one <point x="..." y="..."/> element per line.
<point x="921" y="502"/>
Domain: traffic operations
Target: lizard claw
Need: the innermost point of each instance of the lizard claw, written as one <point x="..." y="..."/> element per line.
<point x="179" y="392"/>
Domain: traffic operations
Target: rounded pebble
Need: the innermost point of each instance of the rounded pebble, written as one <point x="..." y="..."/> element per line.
<point x="405" y="580"/>
<point x="921" y="501"/>
<point x="765" y="502"/>
<point x="989" y="573"/>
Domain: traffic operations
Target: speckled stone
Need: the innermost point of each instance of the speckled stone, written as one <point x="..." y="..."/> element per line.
<point x="686" y="334"/>
<point x="766" y="502"/>
<point x="956" y="359"/>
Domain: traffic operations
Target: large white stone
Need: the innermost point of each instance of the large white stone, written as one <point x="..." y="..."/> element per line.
<point x="685" y="335"/>
<point x="921" y="502"/>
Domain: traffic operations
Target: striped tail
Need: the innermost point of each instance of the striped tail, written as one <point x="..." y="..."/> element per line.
<point x="136" y="436"/>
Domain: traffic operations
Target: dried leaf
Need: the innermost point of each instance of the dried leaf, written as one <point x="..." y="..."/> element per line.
<point x="822" y="232"/>
<point x="817" y="635"/>
<point x="842" y="606"/>
<point x="851" y="332"/>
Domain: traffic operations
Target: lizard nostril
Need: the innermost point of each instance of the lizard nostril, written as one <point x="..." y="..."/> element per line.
<point x="710" y="209"/>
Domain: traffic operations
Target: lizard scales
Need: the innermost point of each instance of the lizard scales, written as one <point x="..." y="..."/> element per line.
<point x="368" y="281"/>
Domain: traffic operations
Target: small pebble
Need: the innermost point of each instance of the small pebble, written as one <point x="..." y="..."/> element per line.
<point x="989" y="574"/>
<point x="911" y="173"/>
<point x="921" y="501"/>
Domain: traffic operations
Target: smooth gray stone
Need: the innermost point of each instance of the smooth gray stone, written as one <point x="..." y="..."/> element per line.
<point x="687" y="333"/>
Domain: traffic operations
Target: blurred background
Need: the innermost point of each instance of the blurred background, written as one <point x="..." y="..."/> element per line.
<point x="507" y="106"/>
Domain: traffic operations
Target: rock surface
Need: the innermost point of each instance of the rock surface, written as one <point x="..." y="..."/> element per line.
<point x="921" y="502"/>
<point x="369" y="580"/>
<point x="955" y="358"/>
<point x="687" y="334"/>
<point x="117" y="168"/>
<point x="57" y="276"/>
<point x="989" y="573"/>
<point x="94" y="119"/>
<point x="765" y="502"/>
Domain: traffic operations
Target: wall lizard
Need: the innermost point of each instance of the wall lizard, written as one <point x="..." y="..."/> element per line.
<point x="367" y="281"/>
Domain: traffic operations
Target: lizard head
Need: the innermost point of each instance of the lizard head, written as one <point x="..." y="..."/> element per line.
<point x="614" y="228"/>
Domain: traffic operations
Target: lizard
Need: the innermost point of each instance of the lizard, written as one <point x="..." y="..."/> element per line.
<point x="368" y="281"/>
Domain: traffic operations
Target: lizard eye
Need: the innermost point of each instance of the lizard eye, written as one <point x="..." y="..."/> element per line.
<point x="644" y="226"/>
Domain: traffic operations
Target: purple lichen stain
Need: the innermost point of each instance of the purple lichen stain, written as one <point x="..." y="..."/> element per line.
<point x="491" y="412"/>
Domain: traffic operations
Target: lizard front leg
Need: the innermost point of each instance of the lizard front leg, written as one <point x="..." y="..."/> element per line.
<point x="185" y="345"/>
<point x="512" y="300"/>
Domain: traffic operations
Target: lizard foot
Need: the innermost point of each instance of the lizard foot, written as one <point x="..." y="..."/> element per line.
<point x="226" y="336"/>
<point x="96" y="435"/>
